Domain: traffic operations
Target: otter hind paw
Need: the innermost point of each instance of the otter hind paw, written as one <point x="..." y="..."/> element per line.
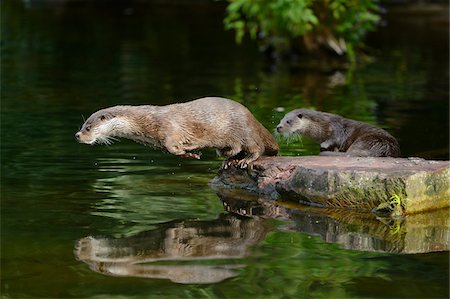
<point x="242" y="163"/>
<point x="238" y="163"/>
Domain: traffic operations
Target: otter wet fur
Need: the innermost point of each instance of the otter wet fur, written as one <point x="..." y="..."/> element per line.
<point x="209" y="122"/>
<point x="339" y="136"/>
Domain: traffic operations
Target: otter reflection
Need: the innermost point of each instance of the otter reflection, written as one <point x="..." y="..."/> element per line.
<point x="177" y="246"/>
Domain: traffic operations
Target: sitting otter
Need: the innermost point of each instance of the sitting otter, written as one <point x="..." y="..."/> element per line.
<point x="210" y="122"/>
<point x="338" y="135"/>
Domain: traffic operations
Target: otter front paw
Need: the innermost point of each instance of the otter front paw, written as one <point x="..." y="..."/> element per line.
<point x="228" y="163"/>
<point x="191" y="155"/>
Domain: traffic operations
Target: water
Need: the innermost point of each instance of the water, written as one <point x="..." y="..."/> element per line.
<point x="127" y="221"/>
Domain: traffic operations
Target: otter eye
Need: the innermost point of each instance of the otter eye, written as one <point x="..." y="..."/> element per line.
<point x="289" y="122"/>
<point x="88" y="128"/>
<point x="300" y="115"/>
<point x="102" y="117"/>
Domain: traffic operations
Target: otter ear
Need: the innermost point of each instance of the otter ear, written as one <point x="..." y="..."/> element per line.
<point x="107" y="116"/>
<point x="299" y="115"/>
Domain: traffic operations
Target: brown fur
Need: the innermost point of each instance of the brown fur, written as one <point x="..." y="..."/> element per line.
<point x="338" y="135"/>
<point x="209" y="122"/>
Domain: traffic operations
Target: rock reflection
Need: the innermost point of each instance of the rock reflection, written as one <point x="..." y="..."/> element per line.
<point x="188" y="251"/>
<point x="210" y="251"/>
<point x="421" y="233"/>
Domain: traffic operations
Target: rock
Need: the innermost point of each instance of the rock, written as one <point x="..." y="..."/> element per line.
<point x="402" y="185"/>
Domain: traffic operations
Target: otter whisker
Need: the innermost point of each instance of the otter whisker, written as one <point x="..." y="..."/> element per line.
<point x="297" y="138"/>
<point x="104" y="140"/>
<point x="290" y="139"/>
<point x="108" y="140"/>
<point x="279" y="137"/>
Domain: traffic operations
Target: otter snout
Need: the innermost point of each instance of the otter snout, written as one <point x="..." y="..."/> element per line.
<point x="282" y="129"/>
<point x="82" y="137"/>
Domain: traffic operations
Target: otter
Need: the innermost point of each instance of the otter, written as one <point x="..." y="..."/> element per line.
<point x="339" y="136"/>
<point x="180" y="128"/>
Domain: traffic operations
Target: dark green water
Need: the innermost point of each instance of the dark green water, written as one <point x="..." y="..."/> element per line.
<point x="62" y="60"/>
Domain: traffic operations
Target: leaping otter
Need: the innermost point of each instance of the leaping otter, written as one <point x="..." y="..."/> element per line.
<point x="209" y="122"/>
<point x="338" y="135"/>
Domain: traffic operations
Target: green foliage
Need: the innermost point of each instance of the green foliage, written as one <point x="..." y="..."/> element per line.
<point x="339" y="24"/>
<point x="282" y="18"/>
<point x="353" y="18"/>
<point x="395" y="206"/>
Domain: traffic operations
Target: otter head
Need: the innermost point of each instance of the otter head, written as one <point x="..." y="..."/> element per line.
<point x="100" y="127"/>
<point x="304" y="122"/>
<point x="293" y="123"/>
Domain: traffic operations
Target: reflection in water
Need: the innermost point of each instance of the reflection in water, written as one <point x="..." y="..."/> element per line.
<point x="210" y="251"/>
<point x="144" y="254"/>
<point x="422" y="233"/>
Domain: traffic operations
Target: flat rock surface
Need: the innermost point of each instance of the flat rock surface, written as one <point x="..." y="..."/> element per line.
<point x="394" y="165"/>
<point x="352" y="182"/>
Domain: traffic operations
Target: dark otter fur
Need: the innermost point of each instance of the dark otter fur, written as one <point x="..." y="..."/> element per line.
<point x="338" y="135"/>
<point x="209" y="122"/>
